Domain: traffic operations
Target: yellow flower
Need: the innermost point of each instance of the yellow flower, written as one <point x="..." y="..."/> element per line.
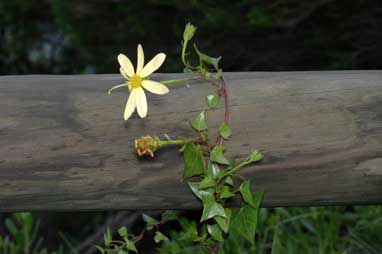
<point x="136" y="81"/>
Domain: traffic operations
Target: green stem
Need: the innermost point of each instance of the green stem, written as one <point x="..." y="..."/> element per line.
<point x="176" y="142"/>
<point x="174" y="81"/>
<point x="233" y="170"/>
<point x="184" y="49"/>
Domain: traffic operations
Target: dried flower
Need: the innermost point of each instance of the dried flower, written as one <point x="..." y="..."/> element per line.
<point x="147" y="145"/>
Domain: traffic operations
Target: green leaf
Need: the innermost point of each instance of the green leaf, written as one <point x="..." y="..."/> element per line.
<point x="206" y="183"/>
<point x="100" y="249"/>
<point x="217" y="155"/>
<point x="213" y="100"/>
<point x="160" y="237"/>
<point x="214" y="61"/>
<point x="150" y="221"/>
<point x="255" y="156"/>
<point x="193" y="161"/>
<point x="215" y="232"/>
<point x="219" y="74"/>
<point x="107" y="237"/>
<point x="168" y="215"/>
<point x="244" y="221"/>
<point x="246" y="193"/>
<point x="187" y="70"/>
<point x="225" y="131"/>
<point x="11" y="227"/>
<point x="212" y="209"/>
<point x="205" y="195"/>
<point x="213" y="170"/>
<point x="122" y="232"/>
<point x="199" y="123"/>
<point x="130" y="245"/>
<point x="229" y="180"/>
<point x="224" y="222"/>
<point x="204" y="136"/>
<point x="226" y="192"/>
<point x="257" y="198"/>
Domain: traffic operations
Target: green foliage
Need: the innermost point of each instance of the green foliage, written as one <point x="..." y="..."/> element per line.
<point x="255" y="156"/>
<point x="224" y="130"/>
<point x="205" y="60"/>
<point x="168" y="216"/>
<point x="215" y="185"/>
<point x="213" y="170"/>
<point x="150" y="221"/>
<point x="160" y="237"/>
<point x="217" y="155"/>
<point x="22" y="236"/>
<point x="258" y="18"/>
<point x="199" y="122"/>
<point x="193" y="161"/>
<point x="213" y="100"/>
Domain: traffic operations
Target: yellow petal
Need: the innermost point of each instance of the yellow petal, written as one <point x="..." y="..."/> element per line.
<point x="123" y="74"/>
<point x="130" y="105"/>
<point x="154" y="87"/>
<point x="141" y="102"/>
<point x="153" y="65"/>
<point x="126" y="65"/>
<point x="140" y="58"/>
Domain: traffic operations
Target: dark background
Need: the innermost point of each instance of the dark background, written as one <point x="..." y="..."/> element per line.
<point x="78" y="36"/>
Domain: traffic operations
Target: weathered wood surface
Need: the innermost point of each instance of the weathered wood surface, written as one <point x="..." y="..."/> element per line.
<point x="64" y="145"/>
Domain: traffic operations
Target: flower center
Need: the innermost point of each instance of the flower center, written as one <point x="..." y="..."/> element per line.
<point x="135" y="81"/>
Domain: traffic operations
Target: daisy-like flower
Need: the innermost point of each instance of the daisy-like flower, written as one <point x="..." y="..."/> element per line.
<point x="136" y="80"/>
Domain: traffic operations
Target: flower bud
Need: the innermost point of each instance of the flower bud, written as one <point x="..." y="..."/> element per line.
<point x="189" y="32"/>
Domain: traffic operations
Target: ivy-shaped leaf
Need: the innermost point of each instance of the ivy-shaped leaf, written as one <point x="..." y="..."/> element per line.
<point x="244" y="220"/>
<point x="214" y="61"/>
<point x="226" y="192"/>
<point x="206" y="183"/>
<point x="213" y="170"/>
<point x="212" y="209"/>
<point x="229" y="180"/>
<point x="168" y="215"/>
<point x="150" y="221"/>
<point x="205" y="195"/>
<point x="160" y="237"/>
<point x="199" y="122"/>
<point x="225" y="131"/>
<point x="224" y="222"/>
<point x="246" y="193"/>
<point x="130" y="245"/>
<point x="193" y="161"/>
<point x="217" y="155"/>
<point x="213" y="100"/>
<point x="215" y="232"/>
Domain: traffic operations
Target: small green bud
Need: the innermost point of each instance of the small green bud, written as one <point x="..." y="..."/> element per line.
<point x="189" y="32"/>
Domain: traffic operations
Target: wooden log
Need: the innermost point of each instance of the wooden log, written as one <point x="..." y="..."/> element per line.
<point x="65" y="146"/>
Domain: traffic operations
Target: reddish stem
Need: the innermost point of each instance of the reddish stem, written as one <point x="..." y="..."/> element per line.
<point x="224" y="90"/>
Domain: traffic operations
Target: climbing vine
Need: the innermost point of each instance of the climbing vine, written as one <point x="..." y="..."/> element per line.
<point x="211" y="176"/>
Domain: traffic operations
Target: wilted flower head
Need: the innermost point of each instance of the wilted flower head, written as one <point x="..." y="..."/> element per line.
<point x="147" y="145"/>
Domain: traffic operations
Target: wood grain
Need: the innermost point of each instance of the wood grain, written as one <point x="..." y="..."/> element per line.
<point x="65" y="146"/>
